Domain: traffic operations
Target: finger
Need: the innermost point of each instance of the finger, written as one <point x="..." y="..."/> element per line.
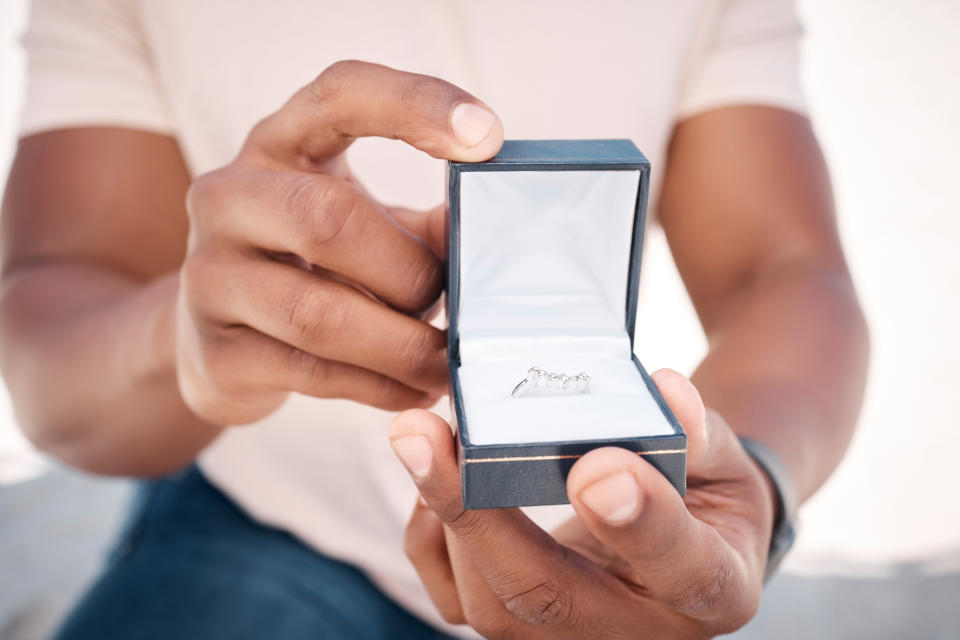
<point x="325" y="221"/>
<point x="573" y="534"/>
<point x="483" y="609"/>
<point x="430" y="225"/>
<point x="536" y="579"/>
<point x="711" y="451"/>
<point x="243" y="371"/>
<point x="426" y="547"/>
<point x="685" y="402"/>
<point x="326" y="319"/>
<point x="352" y="99"/>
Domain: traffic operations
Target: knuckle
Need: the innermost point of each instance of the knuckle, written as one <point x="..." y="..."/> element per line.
<point x="426" y="283"/>
<point x="313" y="312"/>
<point x="214" y="377"/>
<point x="421" y="355"/>
<point x="197" y="278"/>
<point x="738" y="610"/>
<point x="427" y="101"/>
<point x="412" y="546"/>
<point x="468" y="525"/>
<point x="218" y="202"/>
<point x="741" y="613"/>
<point x="260" y="134"/>
<point x="316" y="370"/>
<point x="202" y="401"/>
<point x="416" y="544"/>
<point x="193" y="273"/>
<point x="201" y="282"/>
<point x="490" y="622"/>
<point x="322" y="207"/>
<point x="199" y="195"/>
<point x="215" y="358"/>
<point x="547" y="604"/>
<point x="388" y="393"/>
<point x="709" y="592"/>
<point x="209" y="193"/>
<point x="430" y="95"/>
<point x="422" y="91"/>
<point x="451" y="614"/>
<point x="222" y="407"/>
<point x="331" y="81"/>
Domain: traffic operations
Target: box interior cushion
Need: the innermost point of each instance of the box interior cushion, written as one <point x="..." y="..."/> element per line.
<point x="619" y="404"/>
<point x="544" y="264"/>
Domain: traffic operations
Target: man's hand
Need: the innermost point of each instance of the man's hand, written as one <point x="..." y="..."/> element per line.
<point x="637" y="561"/>
<point x="296" y="279"/>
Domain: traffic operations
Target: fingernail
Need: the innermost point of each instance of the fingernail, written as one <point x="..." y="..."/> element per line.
<point x="471" y="123"/>
<point x="415" y="453"/>
<point x="614" y="498"/>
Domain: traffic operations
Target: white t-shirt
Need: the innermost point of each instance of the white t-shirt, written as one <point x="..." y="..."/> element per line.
<point x="205" y="72"/>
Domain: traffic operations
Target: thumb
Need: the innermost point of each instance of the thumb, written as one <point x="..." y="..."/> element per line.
<point x="629" y="506"/>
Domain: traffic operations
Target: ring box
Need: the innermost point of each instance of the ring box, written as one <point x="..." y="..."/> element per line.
<point x="545" y="241"/>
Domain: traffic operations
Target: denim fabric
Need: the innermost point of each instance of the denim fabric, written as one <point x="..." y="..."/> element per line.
<point x="190" y="564"/>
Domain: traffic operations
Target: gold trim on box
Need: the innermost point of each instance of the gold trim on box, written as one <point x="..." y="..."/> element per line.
<point x="565" y="457"/>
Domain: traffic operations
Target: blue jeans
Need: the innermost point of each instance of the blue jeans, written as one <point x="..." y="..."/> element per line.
<point x="190" y="564"/>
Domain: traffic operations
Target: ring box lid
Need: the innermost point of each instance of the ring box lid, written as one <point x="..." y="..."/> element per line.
<point x="616" y="253"/>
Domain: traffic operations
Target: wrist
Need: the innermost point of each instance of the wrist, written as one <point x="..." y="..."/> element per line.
<point x="782" y="498"/>
<point x="771" y="500"/>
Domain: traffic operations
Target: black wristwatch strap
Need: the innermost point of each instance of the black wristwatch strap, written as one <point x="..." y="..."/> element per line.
<point x="784" y="529"/>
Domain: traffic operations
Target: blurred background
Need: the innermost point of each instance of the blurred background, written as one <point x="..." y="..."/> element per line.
<point x="879" y="549"/>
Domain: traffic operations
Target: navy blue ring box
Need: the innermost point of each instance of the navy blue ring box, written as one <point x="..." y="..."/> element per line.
<point x="545" y="243"/>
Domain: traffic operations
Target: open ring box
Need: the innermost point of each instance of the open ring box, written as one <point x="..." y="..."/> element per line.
<point x="545" y="242"/>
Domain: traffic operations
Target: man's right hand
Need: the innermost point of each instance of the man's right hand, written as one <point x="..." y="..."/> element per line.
<point x="296" y="279"/>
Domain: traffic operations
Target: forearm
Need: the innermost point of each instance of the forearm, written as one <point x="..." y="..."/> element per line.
<point x="787" y="366"/>
<point x="88" y="354"/>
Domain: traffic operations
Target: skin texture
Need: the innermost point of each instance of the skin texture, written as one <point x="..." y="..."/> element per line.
<point x="140" y="313"/>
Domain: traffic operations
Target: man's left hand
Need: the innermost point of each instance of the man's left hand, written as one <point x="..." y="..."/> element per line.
<point x="637" y="560"/>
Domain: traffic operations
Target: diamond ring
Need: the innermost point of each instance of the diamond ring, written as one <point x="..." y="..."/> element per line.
<point x="537" y="377"/>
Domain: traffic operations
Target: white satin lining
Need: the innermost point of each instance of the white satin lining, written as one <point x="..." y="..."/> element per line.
<point x="544" y="261"/>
